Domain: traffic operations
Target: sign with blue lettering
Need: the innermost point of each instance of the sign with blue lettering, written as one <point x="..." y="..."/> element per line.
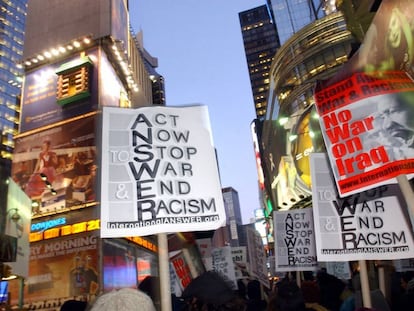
<point x="159" y="172"/>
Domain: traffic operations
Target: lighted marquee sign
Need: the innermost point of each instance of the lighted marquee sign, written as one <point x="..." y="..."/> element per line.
<point x="65" y="230"/>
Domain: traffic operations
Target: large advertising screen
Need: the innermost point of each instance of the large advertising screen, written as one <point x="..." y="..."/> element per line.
<point x="57" y="167"/>
<point x="63" y="258"/>
<point x="60" y="91"/>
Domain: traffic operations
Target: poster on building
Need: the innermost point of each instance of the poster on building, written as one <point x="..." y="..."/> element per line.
<point x="67" y="267"/>
<point x="56" y="167"/>
<point x="18" y="218"/>
<point x="159" y="172"/>
<point x="295" y="240"/>
<point x="257" y="256"/>
<point x="223" y="263"/>
<point x="367" y="125"/>
<point x="370" y="225"/>
<point x="43" y="89"/>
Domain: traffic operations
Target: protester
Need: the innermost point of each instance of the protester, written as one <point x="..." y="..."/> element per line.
<point x="254" y="297"/>
<point x="311" y="292"/>
<point x="211" y="291"/>
<point x="406" y="300"/>
<point x="286" y="297"/>
<point x="125" y="299"/>
<point x="331" y="289"/>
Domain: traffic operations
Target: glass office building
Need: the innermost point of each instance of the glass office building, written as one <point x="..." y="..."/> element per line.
<point x="315" y="52"/>
<point x="260" y="45"/>
<point x="290" y="16"/>
<point x="13" y="16"/>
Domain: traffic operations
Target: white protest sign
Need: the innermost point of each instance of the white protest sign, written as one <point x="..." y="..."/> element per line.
<point x="257" y="256"/>
<point x="340" y="269"/>
<point x="370" y="225"/>
<point x="204" y="247"/>
<point x="295" y="240"/>
<point x="223" y="263"/>
<point x="159" y="172"/>
<point x="402" y="265"/>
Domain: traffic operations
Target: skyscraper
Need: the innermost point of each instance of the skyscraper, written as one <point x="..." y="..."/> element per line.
<point x="12" y="21"/>
<point x="260" y="45"/>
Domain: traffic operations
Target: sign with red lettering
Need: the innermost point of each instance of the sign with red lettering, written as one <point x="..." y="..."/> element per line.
<point x="370" y="225"/>
<point x="159" y="172"/>
<point x="367" y="123"/>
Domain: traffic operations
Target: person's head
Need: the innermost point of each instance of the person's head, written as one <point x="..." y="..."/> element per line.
<point x="73" y="305"/>
<point x="125" y="299"/>
<point x="396" y="114"/>
<point x="46" y="144"/>
<point x="288" y="297"/>
<point x="211" y="291"/>
<point x="253" y="290"/>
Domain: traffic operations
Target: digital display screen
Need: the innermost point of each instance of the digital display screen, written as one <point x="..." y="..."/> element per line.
<point x="4" y="291"/>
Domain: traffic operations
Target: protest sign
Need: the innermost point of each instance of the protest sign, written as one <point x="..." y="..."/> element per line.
<point x="371" y="225"/>
<point x="340" y="269"/>
<point x="257" y="256"/>
<point x="366" y="123"/>
<point x="159" y="172"/>
<point x="295" y="240"/>
<point x="223" y="263"/>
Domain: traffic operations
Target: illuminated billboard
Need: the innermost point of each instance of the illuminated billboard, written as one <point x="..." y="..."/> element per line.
<point x="57" y="167"/>
<point x="49" y="85"/>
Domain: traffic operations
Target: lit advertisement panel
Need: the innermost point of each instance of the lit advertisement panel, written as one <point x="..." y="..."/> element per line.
<point x="40" y="104"/>
<point x="57" y="167"/>
<point x="66" y="265"/>
<point x="119" y="265"/>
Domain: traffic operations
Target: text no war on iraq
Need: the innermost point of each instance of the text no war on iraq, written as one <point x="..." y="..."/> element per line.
<point x="295" y="240"/>
<point x="159" y="172"/>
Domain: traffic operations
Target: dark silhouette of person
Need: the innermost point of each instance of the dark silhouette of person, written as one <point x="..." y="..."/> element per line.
<point x="286" y="297"/>
<point x="212" y="291"/>
<point x="254" y="297"/>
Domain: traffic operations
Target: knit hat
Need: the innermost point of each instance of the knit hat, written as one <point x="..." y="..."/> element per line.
<point x="125" y="299"/>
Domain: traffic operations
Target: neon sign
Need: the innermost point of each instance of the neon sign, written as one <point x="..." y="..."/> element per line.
<point x="85" y="226"/>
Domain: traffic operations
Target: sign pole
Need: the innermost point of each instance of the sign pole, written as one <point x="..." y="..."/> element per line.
<point x="163" y="260"/>
<point x="363" y="276"/>
<point x="408" y="194"/>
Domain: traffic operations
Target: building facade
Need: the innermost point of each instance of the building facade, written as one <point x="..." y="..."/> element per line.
<point x="79" y="56"/>
<point x="317" y="51"/>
